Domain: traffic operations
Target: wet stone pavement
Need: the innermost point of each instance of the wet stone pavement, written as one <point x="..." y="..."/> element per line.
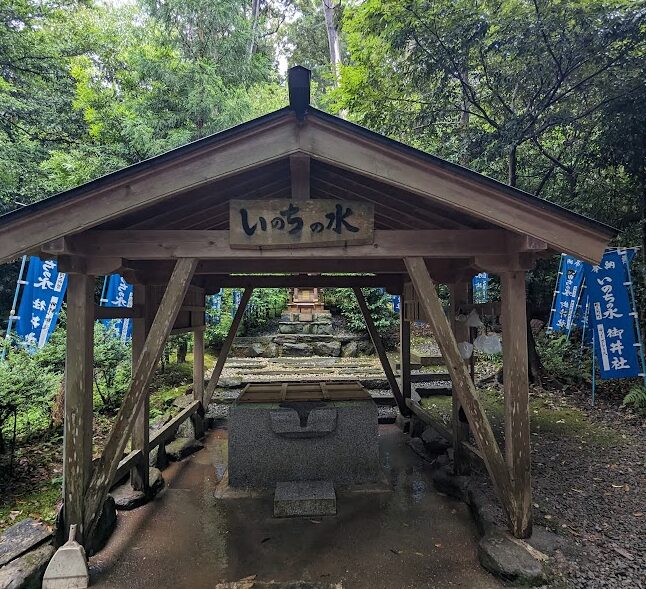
<point x="411" y="537"/>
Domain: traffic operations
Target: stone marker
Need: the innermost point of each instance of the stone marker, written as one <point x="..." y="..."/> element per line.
<point x="68" y="569"/>
<point x="304" y="499"/>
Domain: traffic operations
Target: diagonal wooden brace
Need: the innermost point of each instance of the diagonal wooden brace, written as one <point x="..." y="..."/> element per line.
<point x="226" y="347"/>
<point x="113" y="452"/>
<point x="381" y="352"/>
<point x="462" y="383"/>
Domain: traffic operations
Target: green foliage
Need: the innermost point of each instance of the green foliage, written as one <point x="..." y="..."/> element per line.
<point x="24" y="386"/>
<point x="563" y="358"/>
<point x="112" y="360"/>
<point x="265" y="304"/>
<point x="172" y="376"/>
<point x="379" y="305"/>
<point x="637" y="398"/>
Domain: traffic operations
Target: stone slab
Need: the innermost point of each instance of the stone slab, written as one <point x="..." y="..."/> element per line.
<point x="304" y="499"/>
<point x="26" y="571"/>
<point x="22" y="537"/>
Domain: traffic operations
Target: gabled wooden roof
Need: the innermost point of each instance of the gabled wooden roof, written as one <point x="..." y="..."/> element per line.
<point x="189" y="188"/>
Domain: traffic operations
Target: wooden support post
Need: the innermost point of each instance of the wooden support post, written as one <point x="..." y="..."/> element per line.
<point x="79" y="367"/>
<point x="122" y="428"/>
<point x="404" y="352"/>
<point x="462" y="384"/>
<point x="460" y="426"/>
<point x="226" y="347"/>
<point x="198" y="380"/>
<point x="140" y="432"/>
<point x="381" y="352"/>
<point x="516" y="384"/>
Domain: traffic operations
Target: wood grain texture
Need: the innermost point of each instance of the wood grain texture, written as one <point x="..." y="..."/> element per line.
<point x="281" y="223"/>
<point x="463" y="386"/>
<point x="124" y="422"/>
<point x="459" y="298"/>
<point x="78" y="423"/>
<point x="226" y="347"/>
<point x="381" y="351"/>
<point x="214" y="245"/>
<point x="516" y="385"/>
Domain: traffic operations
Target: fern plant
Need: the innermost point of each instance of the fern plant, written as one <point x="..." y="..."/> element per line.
<point x="637" y="398"/>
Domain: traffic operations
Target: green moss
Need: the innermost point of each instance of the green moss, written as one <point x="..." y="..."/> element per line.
<point x="547" y="415"/>
<point x="40" y="503"/>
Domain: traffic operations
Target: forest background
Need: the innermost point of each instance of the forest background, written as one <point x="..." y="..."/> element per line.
<point x="546" y="95"/>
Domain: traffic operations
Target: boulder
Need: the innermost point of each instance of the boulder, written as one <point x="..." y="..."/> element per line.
<point x="510" y="559"/>
<point x="256" y="350"/>
<point x="297" y="350"/>
<point x="127" y="498"/>
<point x="417" y="446"/>
<point x="21" y="538"/>
<point x="327" y="348"/>
<point x="271" y="351"/>
<point x="287" y="327"/>
<point x="365" y="347"/>
<point x="350" y="350"/>
<point x="26" y="571"/>
<point x="182" y="447"/>
<point x="105" y="527"/>
<point x="446" y="482"/>
<point x="157" y="458"/>
<point x="183" y="401"/>
<point x="434" y="442"/>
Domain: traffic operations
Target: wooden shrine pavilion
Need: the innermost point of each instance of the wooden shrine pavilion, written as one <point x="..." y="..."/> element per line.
<point x="297" y="198"/>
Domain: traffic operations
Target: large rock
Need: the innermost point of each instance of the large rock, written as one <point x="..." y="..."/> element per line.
<point x="327" y="348"/>
<point x="446" y="482"/>
<point x="271" y="351"/>
<point x="434" y="442"/>
<point x="127" y="498"/>
<point x="105" y="527"/>
<point x="350" y="350"/>
<point x="256" y="350"/>
<point x="21" y="538"/>
<point x="297" y="350"/>
<point x="182" y="447"/>
<point x="26" y="571"/>
<point x="510" y="559"/>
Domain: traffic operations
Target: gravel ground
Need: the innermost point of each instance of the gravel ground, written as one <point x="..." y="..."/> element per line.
<point x="588" y="486"/>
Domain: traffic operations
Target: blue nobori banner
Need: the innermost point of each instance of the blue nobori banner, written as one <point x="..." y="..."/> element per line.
<point x="612" y="316"/>
<point x="118" y="294"/>
<point x="481" y="288"/>
<point x="396" y="303"/>
<point x="41" y="302"/>
<point x="568" y="291"/>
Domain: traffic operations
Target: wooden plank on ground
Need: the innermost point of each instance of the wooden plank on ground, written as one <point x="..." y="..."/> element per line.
<point x="160" y="329"/>
<point x="462" y="384"/>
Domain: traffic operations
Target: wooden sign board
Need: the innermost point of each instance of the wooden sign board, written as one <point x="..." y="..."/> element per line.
<point x="284" y="223"/>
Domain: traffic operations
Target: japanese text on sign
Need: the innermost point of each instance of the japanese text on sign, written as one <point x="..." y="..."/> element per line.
<point x="285" y="223"/>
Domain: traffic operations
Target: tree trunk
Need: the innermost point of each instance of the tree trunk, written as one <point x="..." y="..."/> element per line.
<point x="182" y="350"/>
<point x="255" y="13"/>
<point x="512" y="176"/>
<point x="332" y="37"/>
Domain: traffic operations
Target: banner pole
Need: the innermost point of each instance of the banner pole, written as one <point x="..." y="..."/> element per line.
<point x="594" y="377"/>
<point x="12" y="314"/>
<point x="552" y="309"/>
<point x="640" y="344"/>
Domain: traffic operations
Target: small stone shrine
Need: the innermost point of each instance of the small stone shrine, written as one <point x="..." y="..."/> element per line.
<point x="305" y="305"/>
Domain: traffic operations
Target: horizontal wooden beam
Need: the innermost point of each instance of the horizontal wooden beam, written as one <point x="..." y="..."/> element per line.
<point x="390" y="282"/>
<point x="214" y="245"/>
<point x="127" y="463"/>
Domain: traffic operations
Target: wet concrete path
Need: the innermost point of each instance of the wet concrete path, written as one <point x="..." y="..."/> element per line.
<point x="412" y="537"/>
